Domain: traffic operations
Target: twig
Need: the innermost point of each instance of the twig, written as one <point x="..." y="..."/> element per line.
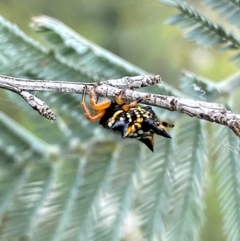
<point x="212" y="112"/>
<point x="38" y="105"/>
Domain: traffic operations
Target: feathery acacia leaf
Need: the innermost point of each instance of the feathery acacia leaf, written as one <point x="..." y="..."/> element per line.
<point x="87" y="56"/>
<point x="81" y="52"/>
<point x="189" y="174"/>
<point x="203" y="30"/>
<point x="57" y="201"/>
<point x="39" y="63"/>
<point x="227" y="9"/>
<point x="117" y="202"/>
<point x="152" y="203"/>
<point x="199" y="87"/>
<point x="228" y="175"/>
<point x="18" y="144"/>
<point x="236" y="2"/>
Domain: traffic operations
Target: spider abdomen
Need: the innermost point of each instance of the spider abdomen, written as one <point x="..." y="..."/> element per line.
<point x="137" y="123"/>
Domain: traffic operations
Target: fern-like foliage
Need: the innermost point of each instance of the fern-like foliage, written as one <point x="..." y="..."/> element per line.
<point x="228" y="173"/>
<point x="198" y="87"/>
<point x="227" y="9"/>
<point x="224" y="145"/>
<point x="81" y="52"/>
<point x="189" y="174"/>
<point x="155" y="191"/>
<point x="87" y="56"/>
<point x="201" y="29"/>
<point x="16" y="139"/>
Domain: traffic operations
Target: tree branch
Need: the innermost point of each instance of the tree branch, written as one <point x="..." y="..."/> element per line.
<point x="212" y="112"/>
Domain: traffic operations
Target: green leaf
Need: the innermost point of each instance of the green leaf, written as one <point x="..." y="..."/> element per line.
<point x="228" y="172"/>
<point x="236" y="2"/>
<point x="189" y="176"/>
<point x="201" y="29"/>
<point x="87" y="56"/>
<point x="38" y="63"/>
<point x="34" y="61"/>
<point x="18" y="144"/>
<point x="229" y="9"/>
<point x="199" y="87"/>
<point x="168" y="2"/>
<point x="81" y="52"/>
<point x="153" y="201"/>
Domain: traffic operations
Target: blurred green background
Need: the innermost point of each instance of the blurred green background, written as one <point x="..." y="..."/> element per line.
<point x="134" y="30"/>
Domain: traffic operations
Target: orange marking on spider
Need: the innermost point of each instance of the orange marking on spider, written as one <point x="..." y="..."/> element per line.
<point x="119" y="99"/>
<point x="99" y="111"/>
<point x="152" y="141"/>
<point x="130" y="130"/>
<point x="93" y="101"/>
<point x="126" y="107"/>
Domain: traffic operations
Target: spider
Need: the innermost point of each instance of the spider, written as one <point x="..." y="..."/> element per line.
<point x="130" y="120"/>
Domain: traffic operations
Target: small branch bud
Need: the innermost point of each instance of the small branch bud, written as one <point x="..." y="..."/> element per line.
<point x="40" y="106"/>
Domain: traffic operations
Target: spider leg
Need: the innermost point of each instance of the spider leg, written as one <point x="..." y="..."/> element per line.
<point x="161" y="124"/>
<point x="91" y="117"/>
<point x="158" y="129"/>
<point x="167" y="124"/>
<point x="125" y="106"/>
<point x="98" y="106"/>
<point x="119" y="99"/>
